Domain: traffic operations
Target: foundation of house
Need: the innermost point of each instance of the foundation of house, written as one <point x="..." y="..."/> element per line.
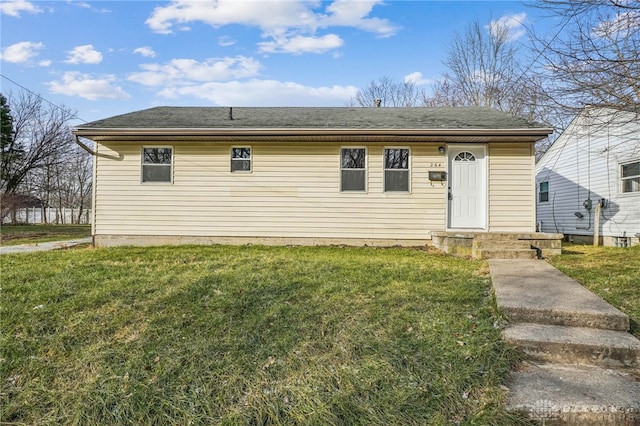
<point x="498" y="245"/>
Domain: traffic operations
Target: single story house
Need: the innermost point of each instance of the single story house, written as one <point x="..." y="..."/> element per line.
<point x="377" y="176"/>
<point x="588" y="182"/>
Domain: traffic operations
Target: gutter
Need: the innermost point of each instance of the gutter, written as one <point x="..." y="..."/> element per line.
<point x="89" y="132"/>
<point x="96" y="153"/>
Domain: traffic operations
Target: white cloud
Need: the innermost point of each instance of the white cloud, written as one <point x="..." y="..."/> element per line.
<point x="264" y="93"/>
<point x="145" y="51"/>
<point x="416" y="78"/>
<point x="301" y="44"/>
<point x="15" y="7"/>
<point x="514" y="24"/>
<point x="286" y="22"/>
<point x="21" y="52"/>
<point x="187" y="71"/>
<point x="623" y="24"/>
<point x="88" y="87"/>
<point x="85" y="54"/>
<point x="226" y="41"/>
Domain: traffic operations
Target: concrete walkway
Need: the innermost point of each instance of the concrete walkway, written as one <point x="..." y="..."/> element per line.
<point x="53" y="245"/>
<point x="582" y="366"/>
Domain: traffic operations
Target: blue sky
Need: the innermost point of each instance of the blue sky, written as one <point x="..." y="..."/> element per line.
<point x="102" y="58"/>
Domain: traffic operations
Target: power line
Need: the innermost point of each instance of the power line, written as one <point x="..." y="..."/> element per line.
<point x="75" y="115"/>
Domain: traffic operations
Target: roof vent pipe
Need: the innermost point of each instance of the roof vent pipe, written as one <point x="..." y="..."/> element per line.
<point x="377" y="102"/>
<point x="230" y="113"/>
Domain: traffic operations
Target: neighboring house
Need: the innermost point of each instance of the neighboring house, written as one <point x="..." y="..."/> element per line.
<point x="595" y="161"/>
<point x="382" y="176"/>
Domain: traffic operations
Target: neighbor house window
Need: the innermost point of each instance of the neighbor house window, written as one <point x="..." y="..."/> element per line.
<point x="631" y="177"/>
<point x="396" y="170"/>
<point x="241" y="159"/>
<point x="157" y="164"/>
<point x="353" y="169"/>
<point x="543" y="194"/>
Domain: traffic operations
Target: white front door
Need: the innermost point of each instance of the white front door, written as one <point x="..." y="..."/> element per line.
<point x="467" y="186"/>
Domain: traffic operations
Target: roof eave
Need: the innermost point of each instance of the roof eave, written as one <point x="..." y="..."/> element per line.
<point x="537" y="132"/>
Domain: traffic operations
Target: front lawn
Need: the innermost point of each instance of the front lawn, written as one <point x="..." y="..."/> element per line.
<point x="32" y="234"/>
<point x="250" y="335"/>
<point x="612" y="273"/>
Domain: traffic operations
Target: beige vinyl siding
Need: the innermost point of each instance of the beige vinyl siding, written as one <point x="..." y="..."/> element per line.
<point x="511" y="188"/>
<point x="292" y="191"/>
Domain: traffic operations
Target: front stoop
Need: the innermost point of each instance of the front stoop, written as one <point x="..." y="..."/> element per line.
<point x="498" y="245"/>
<point x="583" y="366"/>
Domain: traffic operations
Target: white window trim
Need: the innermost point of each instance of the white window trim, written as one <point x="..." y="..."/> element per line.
<point x="622" y="179"/>
<point x="366" y="170"/>
<point x="384" y="170"/>
<point x="143" y="164"/>
<point x="540" y="191"/>
<point x="231" y="159"/>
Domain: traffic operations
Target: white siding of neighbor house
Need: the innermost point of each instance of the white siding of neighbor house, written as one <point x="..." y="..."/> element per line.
<point x="293" y="191"/>
<point x="583" y="163"/>
<point x="511" y="188"/>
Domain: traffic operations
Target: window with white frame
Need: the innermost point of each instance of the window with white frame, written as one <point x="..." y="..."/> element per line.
<point x="241" y="159"/>
<point x="396" y="170"/>
<point x="353" y="169"/>
<point x="157" y="163"/>
<point x="543" y="192"/>
<point x="630" y="177"/>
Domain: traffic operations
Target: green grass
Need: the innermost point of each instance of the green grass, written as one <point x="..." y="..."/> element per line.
<point x="31" y="234"/>
<point x="250" y="335"/>
<point x="613" y="273"/>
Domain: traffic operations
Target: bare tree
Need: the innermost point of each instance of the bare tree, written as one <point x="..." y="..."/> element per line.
<point x="594" y="58"/>
<point x="41" y="132"/>
<point x="484" y="69"/>
<point x="41" y="137"/>
<point x="389" y="93"/>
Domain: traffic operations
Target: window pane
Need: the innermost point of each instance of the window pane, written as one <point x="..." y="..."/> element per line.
<point x="156" y="173"/>
<point x="544" y="186"/>
<point x="240" y="165"/>
<point x="396" y="158"/>
<point x="241" y="153"/>
<point x="631" y="185"/>
<point x="353" y="158"/>
<point x="157" y="155"/>
<point x="544" y="196"/>
<point x="353" y="180"/>
<point x="632" y="169"/>
<point x="396" y="180"/>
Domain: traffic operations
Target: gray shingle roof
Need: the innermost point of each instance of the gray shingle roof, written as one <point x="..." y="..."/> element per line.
<point x="312" y="118"/>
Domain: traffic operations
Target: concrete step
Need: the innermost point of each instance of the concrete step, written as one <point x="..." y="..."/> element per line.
<point x="571" y="395"/>
<point x="501" y="244"/>
<point x="493" y="236"/>
<point x="532" y="291"/>
<point x="578" y="345"/>
<point x="503" y="253"/>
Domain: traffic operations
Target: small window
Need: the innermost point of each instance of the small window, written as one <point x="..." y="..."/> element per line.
<point x="241" y="159"/>
<point x="156" y="164"/>
<point x="353" y="169"/>
<point x="631" y="177"/>
<point x="396" y="170"/>
<point x="465" y="156"/>
<point x="543" y="193"/>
